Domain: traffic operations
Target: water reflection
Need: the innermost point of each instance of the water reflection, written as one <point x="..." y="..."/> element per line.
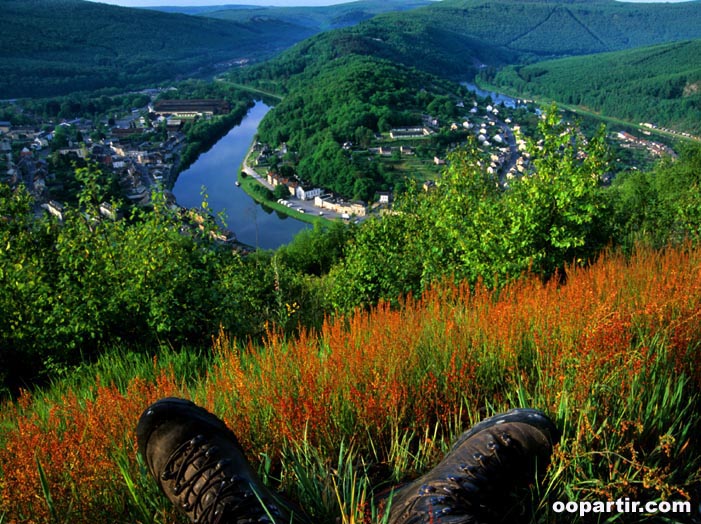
<point x="497" y="98"/>
<point x="214" y="174"/>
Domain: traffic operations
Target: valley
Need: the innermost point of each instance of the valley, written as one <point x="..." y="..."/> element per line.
<point x="420" y="255"/>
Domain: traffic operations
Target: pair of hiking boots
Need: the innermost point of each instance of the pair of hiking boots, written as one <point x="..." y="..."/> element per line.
<point x="200" y="466"/>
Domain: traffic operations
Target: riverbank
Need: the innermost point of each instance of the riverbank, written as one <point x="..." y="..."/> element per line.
<point x="212" y="178"/>
<point x="248" y="184"/>
<point x="250" y="180"/>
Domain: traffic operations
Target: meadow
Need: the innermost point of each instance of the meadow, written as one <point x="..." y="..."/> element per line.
<point x="609" y="351"/>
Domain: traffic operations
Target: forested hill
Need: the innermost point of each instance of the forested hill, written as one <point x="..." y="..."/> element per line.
<point x="661" y="83"/>
<point x="566" y="27"/>
<point x="458" y="38"/>
<point x="52" y="47"/>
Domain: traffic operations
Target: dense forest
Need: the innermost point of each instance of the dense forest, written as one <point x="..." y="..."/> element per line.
<point x="659" y="84"/>
<point x="58" y="47"/>
<point x="52" y="48"/>
<point x="458" y="38"/>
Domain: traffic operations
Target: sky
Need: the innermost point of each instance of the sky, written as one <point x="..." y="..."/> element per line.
<point x="285" y="3"/>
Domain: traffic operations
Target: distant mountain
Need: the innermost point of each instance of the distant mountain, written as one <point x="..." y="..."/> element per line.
<point x="318" y="18"/>
<point x="547" y="28"/>
<point x="52" y="47"/>
<point x="458" y="38"/>
<point x="661" y="83"/>
<point x="198" y="10"/>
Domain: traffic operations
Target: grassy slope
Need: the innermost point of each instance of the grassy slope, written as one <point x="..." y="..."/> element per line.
<point x="612" y="355"/>
<point x="661" y="83"/>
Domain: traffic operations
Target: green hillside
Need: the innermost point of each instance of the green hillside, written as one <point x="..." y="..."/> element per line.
<point x="350" y="100"/>
<point x="458" y="38"/>
<point x="546" y="28"/>
<point x="659" y="84"/>
<point x="53" y="47"/>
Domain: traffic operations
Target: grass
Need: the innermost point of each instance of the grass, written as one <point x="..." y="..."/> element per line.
<point x="377" y="397"/>
<point x="252" y="189"/>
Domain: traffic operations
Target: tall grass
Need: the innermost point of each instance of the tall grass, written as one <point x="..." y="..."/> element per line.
<point x="377" y="397"/>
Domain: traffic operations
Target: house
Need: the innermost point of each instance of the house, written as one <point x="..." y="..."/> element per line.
<point x="439" y="161"/>
<point x="125" y="132"/>
<point x="384" y="197"/>
<point x="5" y="126"/>
<point x="54" y="208"/>
<point x="22" y="133"/>
<point x="408" y="132"/>
<point x="341" y="207"/>
<point x="307" y="194"/>
<point x="107" y="211"/>
<point x="627" y="136"/>
<point x="40" y="142"/>
<point x="174" y="125"/>
<point x="75" y="152"/>
<point x="274" y="179"/>
<point x="190" y="108"/>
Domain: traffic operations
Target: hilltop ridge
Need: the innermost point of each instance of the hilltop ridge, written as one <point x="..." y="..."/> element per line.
<point x="53" y="47"/>
<point x="459" y="38"/>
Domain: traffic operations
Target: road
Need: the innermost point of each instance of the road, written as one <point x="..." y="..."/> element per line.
<point x="297" y="205"/>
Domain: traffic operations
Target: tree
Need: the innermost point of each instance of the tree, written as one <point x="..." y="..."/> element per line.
<point x="472" y="228"/>
<point x="661" y="205"/>
<point x="281" y="191"/>
<point x="383" y="261"/>
<point x="555" y="211"/>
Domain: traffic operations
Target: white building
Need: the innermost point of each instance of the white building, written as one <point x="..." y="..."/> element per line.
<point x="307" y="194"/>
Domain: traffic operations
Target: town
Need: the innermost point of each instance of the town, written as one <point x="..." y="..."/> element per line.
<point x="142" y="150"/>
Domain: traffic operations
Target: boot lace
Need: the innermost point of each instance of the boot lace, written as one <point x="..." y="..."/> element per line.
<point x="205" y="487"/>
<point x="456" y="498"/>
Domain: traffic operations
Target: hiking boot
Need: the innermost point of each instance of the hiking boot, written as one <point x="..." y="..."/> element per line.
<point x="200" y="466"/>
<point x="474" y="481"/>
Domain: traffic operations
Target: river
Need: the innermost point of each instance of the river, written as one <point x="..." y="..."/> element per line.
<point x="215" y="173"/>
<point x="497" y="98"/>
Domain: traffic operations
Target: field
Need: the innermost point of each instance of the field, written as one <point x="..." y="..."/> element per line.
<point x="612" y="355"/>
